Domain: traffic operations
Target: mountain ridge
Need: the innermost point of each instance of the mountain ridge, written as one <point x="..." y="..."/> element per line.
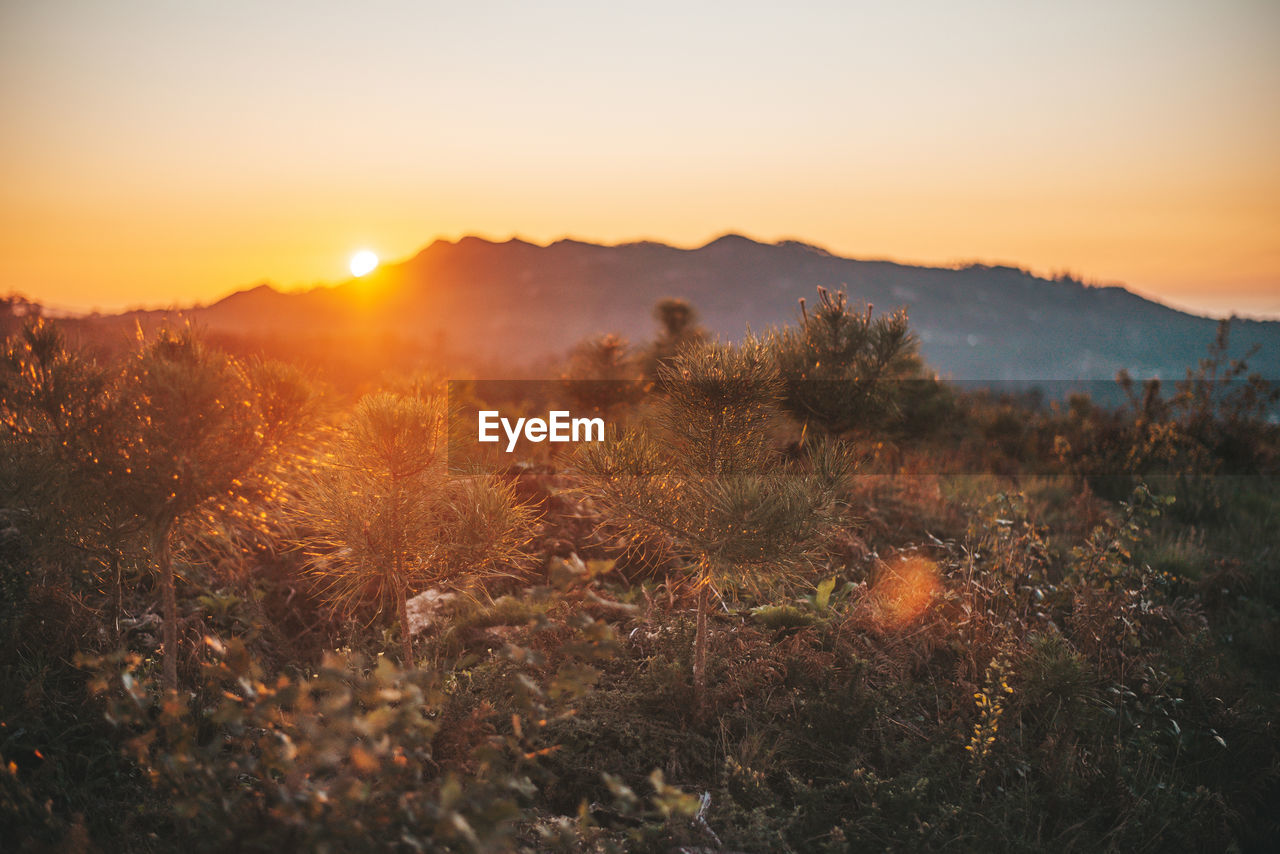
<point x="517" y="300"/>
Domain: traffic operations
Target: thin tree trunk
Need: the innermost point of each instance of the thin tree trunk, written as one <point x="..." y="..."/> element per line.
<point x="117" y="599"/>
<point x="401" y="585"/>
<point x="406" y="641"/>
<point x="700" y="648"/>
<point x="160" y="548"/>
<point x="704" y="598"/>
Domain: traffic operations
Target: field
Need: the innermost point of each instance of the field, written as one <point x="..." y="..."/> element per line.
<point x="805" y="597"/>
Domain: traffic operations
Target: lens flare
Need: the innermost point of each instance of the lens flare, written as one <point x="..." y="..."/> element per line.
<point x="904" y="591"/>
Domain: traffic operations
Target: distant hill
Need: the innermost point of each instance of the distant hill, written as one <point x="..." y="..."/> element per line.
<point x="507" y="303"/>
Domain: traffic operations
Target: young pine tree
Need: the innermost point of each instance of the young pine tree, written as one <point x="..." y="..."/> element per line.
<point x="118" y="462"/>
<point x="707" y="480"/>
<point x="389" y="519"/>
<point x="838" y="364"/>
<point x="603" y="376"/>
<point x="198" y="427"/>
<point x="679" y="329"/>
<point x="61" y="426"/>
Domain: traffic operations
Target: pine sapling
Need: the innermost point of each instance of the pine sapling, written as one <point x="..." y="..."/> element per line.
<point x="389" y="520"/>
<point x="707" y="480"/>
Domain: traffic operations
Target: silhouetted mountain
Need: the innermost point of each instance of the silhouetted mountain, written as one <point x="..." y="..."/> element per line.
<point x="505" y="303"/>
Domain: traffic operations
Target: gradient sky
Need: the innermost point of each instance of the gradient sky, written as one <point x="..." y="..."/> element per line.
<point x="169" y="152"/>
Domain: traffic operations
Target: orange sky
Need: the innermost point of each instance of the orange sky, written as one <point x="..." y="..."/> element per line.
<point x="158" y="153"/>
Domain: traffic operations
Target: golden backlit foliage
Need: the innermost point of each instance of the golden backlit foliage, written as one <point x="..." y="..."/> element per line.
<point x="385" y="518"/>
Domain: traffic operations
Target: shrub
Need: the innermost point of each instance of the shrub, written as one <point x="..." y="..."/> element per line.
<point x="387" y="516"/>
<point x="708" y="480"/>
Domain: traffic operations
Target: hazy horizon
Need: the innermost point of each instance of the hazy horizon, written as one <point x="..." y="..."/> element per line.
<point x="55" y="309"/>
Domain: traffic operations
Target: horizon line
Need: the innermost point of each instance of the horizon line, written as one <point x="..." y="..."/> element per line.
<point x="1067" y="275"/>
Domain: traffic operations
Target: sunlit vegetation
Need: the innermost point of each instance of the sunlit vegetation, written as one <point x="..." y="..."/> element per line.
<point x="805" y="598"/>
<point x="386" y="519"/>
<point x="709" y="482"/>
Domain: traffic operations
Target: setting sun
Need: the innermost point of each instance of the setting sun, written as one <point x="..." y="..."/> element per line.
<point x="363" y="263"/>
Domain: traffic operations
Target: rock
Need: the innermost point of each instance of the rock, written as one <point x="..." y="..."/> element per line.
<point x="425" y="609"/>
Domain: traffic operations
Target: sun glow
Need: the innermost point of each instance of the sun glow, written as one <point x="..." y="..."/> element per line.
<point x="363" y="263"/>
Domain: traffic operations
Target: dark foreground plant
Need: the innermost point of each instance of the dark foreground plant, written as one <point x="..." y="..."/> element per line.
<point x="708" y="482"/>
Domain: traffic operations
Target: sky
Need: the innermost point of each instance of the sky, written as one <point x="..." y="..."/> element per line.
<point x="161" y="153"/>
